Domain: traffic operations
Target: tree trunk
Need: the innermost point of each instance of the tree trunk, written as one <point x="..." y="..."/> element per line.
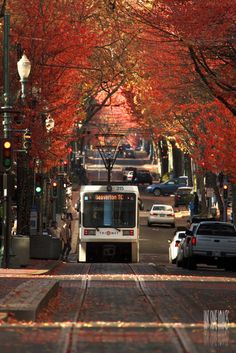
<point x="212" y="182"/>
<point x="178" y="165"/>
<point x="202" y="192"/>
<point x="188" y="168"/>
<point x="163" y="147"/>
<point x="155" y="152"/>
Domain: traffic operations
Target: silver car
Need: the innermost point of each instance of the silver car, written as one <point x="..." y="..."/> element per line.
<point x="161" y="214"/>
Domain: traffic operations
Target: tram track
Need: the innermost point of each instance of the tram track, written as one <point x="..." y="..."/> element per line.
<point x="84" y="289"/>
<point x="179" y="336"/>
<point x="155" y="309"/>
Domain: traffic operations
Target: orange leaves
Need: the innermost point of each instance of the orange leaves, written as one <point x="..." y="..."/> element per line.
<point x="189" y="58"/>
<point x="215" y="145"/>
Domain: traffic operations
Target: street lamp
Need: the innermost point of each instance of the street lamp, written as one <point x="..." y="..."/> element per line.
<point x="23" y="67"/>
<point x="49" y="123"/>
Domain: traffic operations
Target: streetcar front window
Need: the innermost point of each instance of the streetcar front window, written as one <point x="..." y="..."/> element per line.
<point x="109" y="210"/>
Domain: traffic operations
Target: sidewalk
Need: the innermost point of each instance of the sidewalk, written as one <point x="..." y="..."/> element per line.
<point x="35" y="267"/>
<point x="24" y="291"/>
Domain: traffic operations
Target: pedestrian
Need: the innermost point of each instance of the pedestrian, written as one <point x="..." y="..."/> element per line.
<point x="69" y="209"/>
<point x="191" y="208"/>
<point x="66" y="238"/>
<point x="54" y="230"/>
<point x="195" y="203"/>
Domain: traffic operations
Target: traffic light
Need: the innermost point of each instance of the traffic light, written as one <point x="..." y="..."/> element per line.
<point x="27" y="142"/>
<point x="38" y="184"/>
<point x="6" y="154"/>
<point x="54" y="189"/>
<point x="65" y="166"/>
<point x="225" y="191"/>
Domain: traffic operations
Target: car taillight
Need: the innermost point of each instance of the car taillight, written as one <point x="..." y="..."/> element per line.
<point x="128" y="232"/>
<point x="90" y="232"/>
<point x="177" y="243"/>
<point x="171" y="215"/>
<point x="194" y="240"/>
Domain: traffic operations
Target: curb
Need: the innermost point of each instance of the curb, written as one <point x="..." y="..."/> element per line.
<point x="27" y="299"/>
<point x="28" y="271"/>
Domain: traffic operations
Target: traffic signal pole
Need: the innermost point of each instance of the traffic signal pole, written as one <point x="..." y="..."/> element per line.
<point x="54" y="199"/>
<point x="225" y="198"/>
<point x="6" y="134"/>
<point x="6" y="221"/>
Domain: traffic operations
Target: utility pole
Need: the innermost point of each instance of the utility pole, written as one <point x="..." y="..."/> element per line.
<point x="108" y="153"/>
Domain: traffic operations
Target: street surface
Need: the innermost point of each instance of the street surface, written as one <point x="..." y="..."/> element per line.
<point x="151" y="306"/>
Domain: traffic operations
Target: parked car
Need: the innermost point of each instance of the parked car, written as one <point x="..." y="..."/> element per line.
<point x="181" y="260"/>
<point x="167" y="188"/>
<point x="126" y="171"/>
<point x="143" y="177"/>
<point x="161" y="214"/>
<point x="183" y="196"/>
<point x="126" y="146"/>
<point x="211" y="243"/>
<point x="174" y="244"/>
<point x="129" y="153"/>
<point x="130" y="176"/>
<point x="120" y="153"/>
<point x="197" y="219"/>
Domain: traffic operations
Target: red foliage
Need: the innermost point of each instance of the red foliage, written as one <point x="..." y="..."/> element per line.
<point x="189" y="64"/>
<point x="58" y="43"/>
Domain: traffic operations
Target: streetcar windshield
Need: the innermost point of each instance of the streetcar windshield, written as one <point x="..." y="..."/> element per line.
<point x="115" y="210"/>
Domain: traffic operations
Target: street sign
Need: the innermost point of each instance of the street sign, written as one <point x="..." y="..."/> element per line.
<point x="33" y="221"/>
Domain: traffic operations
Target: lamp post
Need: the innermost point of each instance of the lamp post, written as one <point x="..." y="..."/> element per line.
<point x="49" y="124"/>
<point x="23" y="69"/>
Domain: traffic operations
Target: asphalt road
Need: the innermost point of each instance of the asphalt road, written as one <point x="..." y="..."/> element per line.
<point x="154" y="240"/>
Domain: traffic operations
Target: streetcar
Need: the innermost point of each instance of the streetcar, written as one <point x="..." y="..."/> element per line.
<point x="109" y="223"/>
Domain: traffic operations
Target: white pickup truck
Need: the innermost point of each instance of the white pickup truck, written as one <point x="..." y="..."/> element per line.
<point x="211" y="243"/>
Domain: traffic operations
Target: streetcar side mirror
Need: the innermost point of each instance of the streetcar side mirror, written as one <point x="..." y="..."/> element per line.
<point x="141" y="206"/>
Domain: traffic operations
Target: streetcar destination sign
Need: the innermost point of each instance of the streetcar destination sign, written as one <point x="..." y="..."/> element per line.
<point x="109" y="197"/>
<point x="112" y="197"/>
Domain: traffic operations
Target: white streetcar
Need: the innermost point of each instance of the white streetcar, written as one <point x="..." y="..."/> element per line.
<point x="109" y="223"/>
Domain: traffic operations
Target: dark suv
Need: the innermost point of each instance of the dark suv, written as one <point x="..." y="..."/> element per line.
<point x="183" y="196"/>
<point x="143" y="177"/>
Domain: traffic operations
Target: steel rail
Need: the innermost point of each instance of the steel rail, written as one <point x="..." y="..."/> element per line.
<point x="84" y="287"/>
<point x="179" y="336"/>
